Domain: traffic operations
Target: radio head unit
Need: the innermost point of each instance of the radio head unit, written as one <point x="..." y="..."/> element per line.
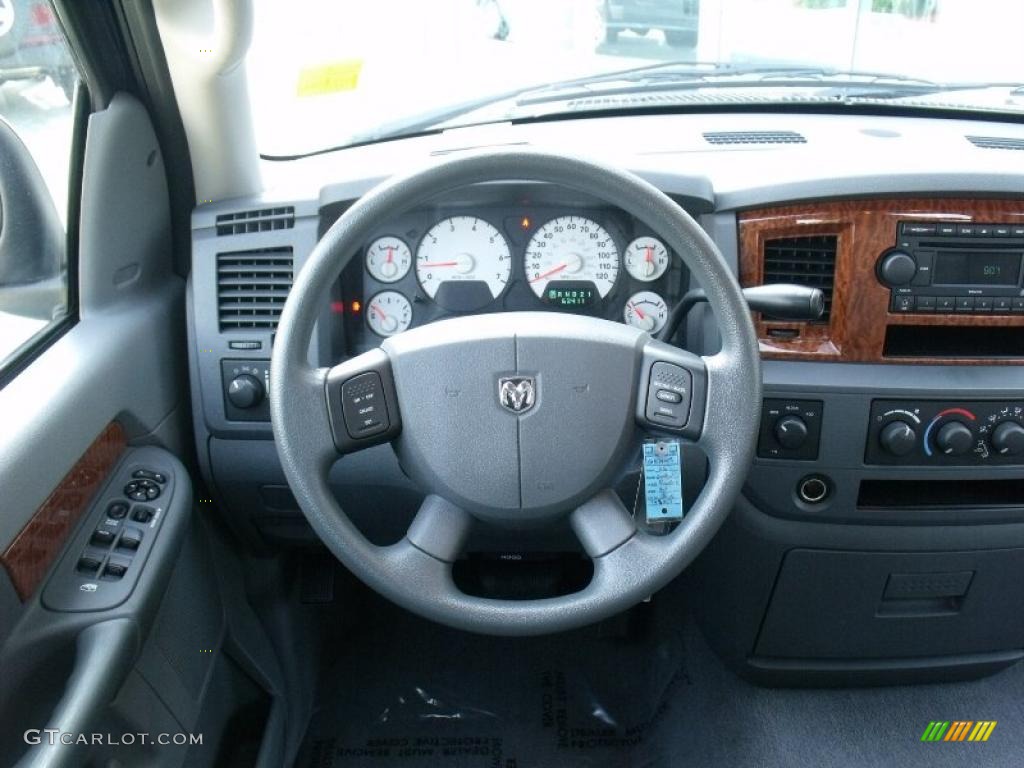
<point x="943" y="267"/>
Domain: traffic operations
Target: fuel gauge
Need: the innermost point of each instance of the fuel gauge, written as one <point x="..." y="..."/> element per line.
<point x="388" y="313"/>
<point x="646" y="310"/>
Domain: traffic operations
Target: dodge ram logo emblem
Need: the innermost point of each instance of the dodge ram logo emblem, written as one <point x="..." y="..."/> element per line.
<point x="517" y="393"/>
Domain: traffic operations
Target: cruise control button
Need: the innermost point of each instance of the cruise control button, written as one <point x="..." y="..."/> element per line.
<point x="668" y="379"/>
<point x="362" y="405"/>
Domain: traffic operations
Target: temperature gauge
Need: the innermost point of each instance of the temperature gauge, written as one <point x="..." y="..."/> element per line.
<point x="646" y="258"/>
<point x="388" y="259"/>
<point x="646" y="310"/>
<point x="388" y="313"/>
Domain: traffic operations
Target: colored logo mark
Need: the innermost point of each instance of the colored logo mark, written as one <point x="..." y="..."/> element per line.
<point x="958" y="730"/>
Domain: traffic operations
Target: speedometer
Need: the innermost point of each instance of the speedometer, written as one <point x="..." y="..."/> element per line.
<point x="463" y="263"/>
<point x="575" y="250"/>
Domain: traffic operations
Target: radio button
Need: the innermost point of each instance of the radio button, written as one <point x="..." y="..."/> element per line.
<point x="945" y="304"/>
<point x="965" y="304"/>
<point x="1018" y="305"/>
<point x="919" y="229"/>
<point x="925" y="304"/>
<point x="984" y="230"/>
<point x="924" y="261"/>
<point x="1004" y="304"/>
<point x="1000" y="231"/>
<point x="983" y="304"/>
<point x="947" y="229"/>
<point x="966" y="230"/>
<point x="902" y="303"/>
<point x="1017" y="231"/>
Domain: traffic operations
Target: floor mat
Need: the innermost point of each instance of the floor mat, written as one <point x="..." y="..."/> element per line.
<point x="406" y="693"/>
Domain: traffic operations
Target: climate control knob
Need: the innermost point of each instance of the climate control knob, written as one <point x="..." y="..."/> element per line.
<point x="898" y="438"/>
<point x="954" y="438"/>
<point x="245" y="391"/>
<point x="791" y="432"/>
<point x="897" y="268"/>
<point x="1008" y="439"/>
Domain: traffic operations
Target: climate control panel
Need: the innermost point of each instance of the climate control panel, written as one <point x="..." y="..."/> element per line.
<point x="946" y="433"/>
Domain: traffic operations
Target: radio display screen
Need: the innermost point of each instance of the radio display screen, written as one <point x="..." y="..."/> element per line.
<point x="976" y="268"/>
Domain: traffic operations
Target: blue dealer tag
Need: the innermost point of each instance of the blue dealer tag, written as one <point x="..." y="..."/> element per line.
<point x="663" y="481"/>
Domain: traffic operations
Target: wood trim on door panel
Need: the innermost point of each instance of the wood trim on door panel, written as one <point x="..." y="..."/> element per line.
<point x="35" y="547"/>
<point x="860" y="303"/>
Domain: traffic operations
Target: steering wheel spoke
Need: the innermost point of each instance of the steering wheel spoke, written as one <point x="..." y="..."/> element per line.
<point x="602" y="524"/>
<point x="440" y="529"/>
<point x="362" y="403"/>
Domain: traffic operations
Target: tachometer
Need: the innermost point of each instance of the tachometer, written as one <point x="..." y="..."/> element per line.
<point x="388" y="259"/>
<point x="646" y="258"/>
<point x="572" y="249"/>
<point x="463" y="263"/>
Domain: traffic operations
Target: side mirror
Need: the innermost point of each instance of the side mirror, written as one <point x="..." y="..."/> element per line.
<point x="32" y="240"/>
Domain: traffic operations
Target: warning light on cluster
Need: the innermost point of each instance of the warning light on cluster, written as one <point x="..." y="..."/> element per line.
<point x="356" y="306"/>
<point x="525" y="223"/>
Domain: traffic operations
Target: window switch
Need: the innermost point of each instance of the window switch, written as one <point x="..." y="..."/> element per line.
<point x="89" y="563"/>
<point x="143" y="514"/>
<point x="103" y="536"/>
<point x="115" y="569"/>
<point x="130" y="539"/>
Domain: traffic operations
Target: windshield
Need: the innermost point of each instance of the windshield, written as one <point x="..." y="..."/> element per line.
<point x="324" y="74"/>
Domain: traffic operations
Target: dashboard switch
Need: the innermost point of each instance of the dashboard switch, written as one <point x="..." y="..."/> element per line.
<point x="89" y="564"/>
<point x="668" y="395"/>
<point x="103" y="536"/>
<point x="790" y="429"/>
<point x="954" y="438"/>
<point x="1008" y="439"/>
<point x="791" y="432"/>
<point x="898" y="438"/>
<point x="142" y="514"/>
<point x="362" y="403"/>
<point x="131" y="538"/>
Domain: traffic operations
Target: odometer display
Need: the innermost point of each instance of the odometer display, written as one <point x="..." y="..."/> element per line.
<point x="572" y="249"/>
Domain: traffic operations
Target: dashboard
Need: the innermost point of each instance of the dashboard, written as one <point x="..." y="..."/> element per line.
<point x="882" y="518"/>
<point x="507" y="248"/>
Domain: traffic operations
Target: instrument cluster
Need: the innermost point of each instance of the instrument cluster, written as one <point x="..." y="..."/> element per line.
<point x="452" y="260"/>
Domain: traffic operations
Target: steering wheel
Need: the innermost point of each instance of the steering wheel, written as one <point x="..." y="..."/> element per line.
<point x="518" y="418"/>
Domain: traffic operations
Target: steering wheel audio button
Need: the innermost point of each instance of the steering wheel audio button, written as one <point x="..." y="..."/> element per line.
<point x="668" y="395"/>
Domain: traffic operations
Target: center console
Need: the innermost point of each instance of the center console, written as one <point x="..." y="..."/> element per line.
<point x="881" y="531"/>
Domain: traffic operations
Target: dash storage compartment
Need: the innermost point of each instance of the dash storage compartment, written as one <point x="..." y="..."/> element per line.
<point x="891" y="605"/>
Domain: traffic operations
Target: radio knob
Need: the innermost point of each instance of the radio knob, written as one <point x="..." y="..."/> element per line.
<point x="898" y="438"/>
<point x="791" y="432"/>
<point x="954" y="438"/>
<point x="1008" y="438"/>
<point x="897" y="268"/>
<point x="245" y="391"/>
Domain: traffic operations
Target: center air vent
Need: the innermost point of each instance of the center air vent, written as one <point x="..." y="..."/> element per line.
<point x="262" y="220"/>
<point x="996" y="142"/>
<point x="754" y="137"/>
<point x="809" y="261"/>
<point x="252" y="287"/>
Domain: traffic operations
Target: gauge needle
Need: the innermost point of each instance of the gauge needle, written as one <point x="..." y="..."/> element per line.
<point x="650" y="253"/>
<point x="550" y="272"/>
<point x="391" y="255"/>
<point x="639" y="312"/>
<point x="379" y="311"/>
<point x="440" y="264"/>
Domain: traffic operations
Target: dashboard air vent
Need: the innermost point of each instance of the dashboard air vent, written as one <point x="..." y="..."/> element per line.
<point x="754" y="137"/>
<point x="996" y="142"/>
<point x="252" y="287"/>
<point x="809" y="260"/>
<point x="262" y="220"/>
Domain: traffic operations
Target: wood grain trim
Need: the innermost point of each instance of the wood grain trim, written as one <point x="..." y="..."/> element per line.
<point x="29" y="556"/>
<point x="860" y="305"/>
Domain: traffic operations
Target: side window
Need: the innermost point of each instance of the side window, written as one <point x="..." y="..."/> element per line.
<point x="37" y="81"/>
